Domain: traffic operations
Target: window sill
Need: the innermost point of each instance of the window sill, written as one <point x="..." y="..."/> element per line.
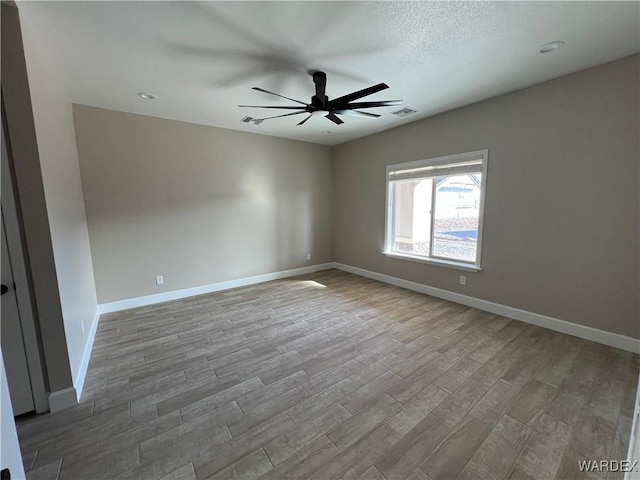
<point x="434" y="261"/>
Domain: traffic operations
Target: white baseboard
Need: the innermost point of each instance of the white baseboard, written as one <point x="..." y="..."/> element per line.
<point x="62" y="399"/>
<point x="86" y="355"/>
<point x="588" y="333"/>
<point x="212" y="287"/>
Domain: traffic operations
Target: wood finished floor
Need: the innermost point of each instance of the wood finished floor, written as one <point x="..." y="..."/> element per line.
<point x="329" y="376"/>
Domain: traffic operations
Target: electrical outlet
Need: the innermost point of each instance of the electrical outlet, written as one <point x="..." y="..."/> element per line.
<point x="308" y="256"/>
<point x="463" y="279"/>
<point x="159" y="280"/>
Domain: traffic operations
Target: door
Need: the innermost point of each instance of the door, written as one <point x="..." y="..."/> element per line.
<point x="25" y="334"/>
<point x="13" y="350"/>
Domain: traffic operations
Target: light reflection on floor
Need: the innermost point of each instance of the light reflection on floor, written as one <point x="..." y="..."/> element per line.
<point x="311" y="283"/>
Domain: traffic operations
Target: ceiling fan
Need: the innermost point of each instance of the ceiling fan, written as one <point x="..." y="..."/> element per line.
<point x="321" y="105"/>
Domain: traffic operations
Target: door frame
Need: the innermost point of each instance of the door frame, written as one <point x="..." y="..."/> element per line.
<point x="26" y="308"/>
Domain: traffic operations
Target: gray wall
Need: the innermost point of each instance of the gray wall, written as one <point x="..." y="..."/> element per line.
<point x="562" y="208"/>
<point x="197" y="204"/>
<point x="53" y="119"/>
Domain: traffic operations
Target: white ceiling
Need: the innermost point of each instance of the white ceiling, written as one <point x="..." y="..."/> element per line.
<point x="202" y="58"/>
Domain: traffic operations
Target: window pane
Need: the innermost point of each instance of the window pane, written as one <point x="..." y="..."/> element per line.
<point x="412" y="216"/>
<point x="457" y="209"/>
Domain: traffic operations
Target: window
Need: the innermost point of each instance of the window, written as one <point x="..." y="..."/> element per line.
<point x="435" y="209"/>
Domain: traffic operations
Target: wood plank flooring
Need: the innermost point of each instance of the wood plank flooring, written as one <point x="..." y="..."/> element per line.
<point x="331" y="376"/>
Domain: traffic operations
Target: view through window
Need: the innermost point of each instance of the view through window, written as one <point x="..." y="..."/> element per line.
<point x="435" y="208"/>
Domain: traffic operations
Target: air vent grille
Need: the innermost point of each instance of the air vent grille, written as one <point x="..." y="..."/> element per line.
<point x="255" y="121"/>
<point x="406" y="111"/>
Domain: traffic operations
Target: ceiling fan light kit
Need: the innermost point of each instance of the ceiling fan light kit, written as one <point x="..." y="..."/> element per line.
<point x="321" y="106"/>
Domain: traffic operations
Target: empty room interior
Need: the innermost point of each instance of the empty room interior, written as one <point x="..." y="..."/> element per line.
<point x="320" y="240"/>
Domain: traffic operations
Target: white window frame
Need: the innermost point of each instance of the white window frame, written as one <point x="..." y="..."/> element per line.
<point x="482" y="155"/>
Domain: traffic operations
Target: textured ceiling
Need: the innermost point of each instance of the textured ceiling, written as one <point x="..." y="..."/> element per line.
<point x="202" y="58"/>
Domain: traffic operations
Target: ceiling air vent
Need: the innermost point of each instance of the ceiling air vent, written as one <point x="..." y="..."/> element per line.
<point x="255" y="121"/>
<point x="406" y="111"/>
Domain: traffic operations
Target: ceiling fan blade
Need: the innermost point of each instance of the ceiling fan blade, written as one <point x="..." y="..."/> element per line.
<point x="264" y="106"/>
<point x="381" y="103"/>
<point x="355" y="113"/>
<point x="359" y="94"/>
<point x="277" y="95"/>
<point x="334" y="118"/>
<point x="285" y="115"/>
<point x="320" y="79"/>
<point x="305" y="119"/>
